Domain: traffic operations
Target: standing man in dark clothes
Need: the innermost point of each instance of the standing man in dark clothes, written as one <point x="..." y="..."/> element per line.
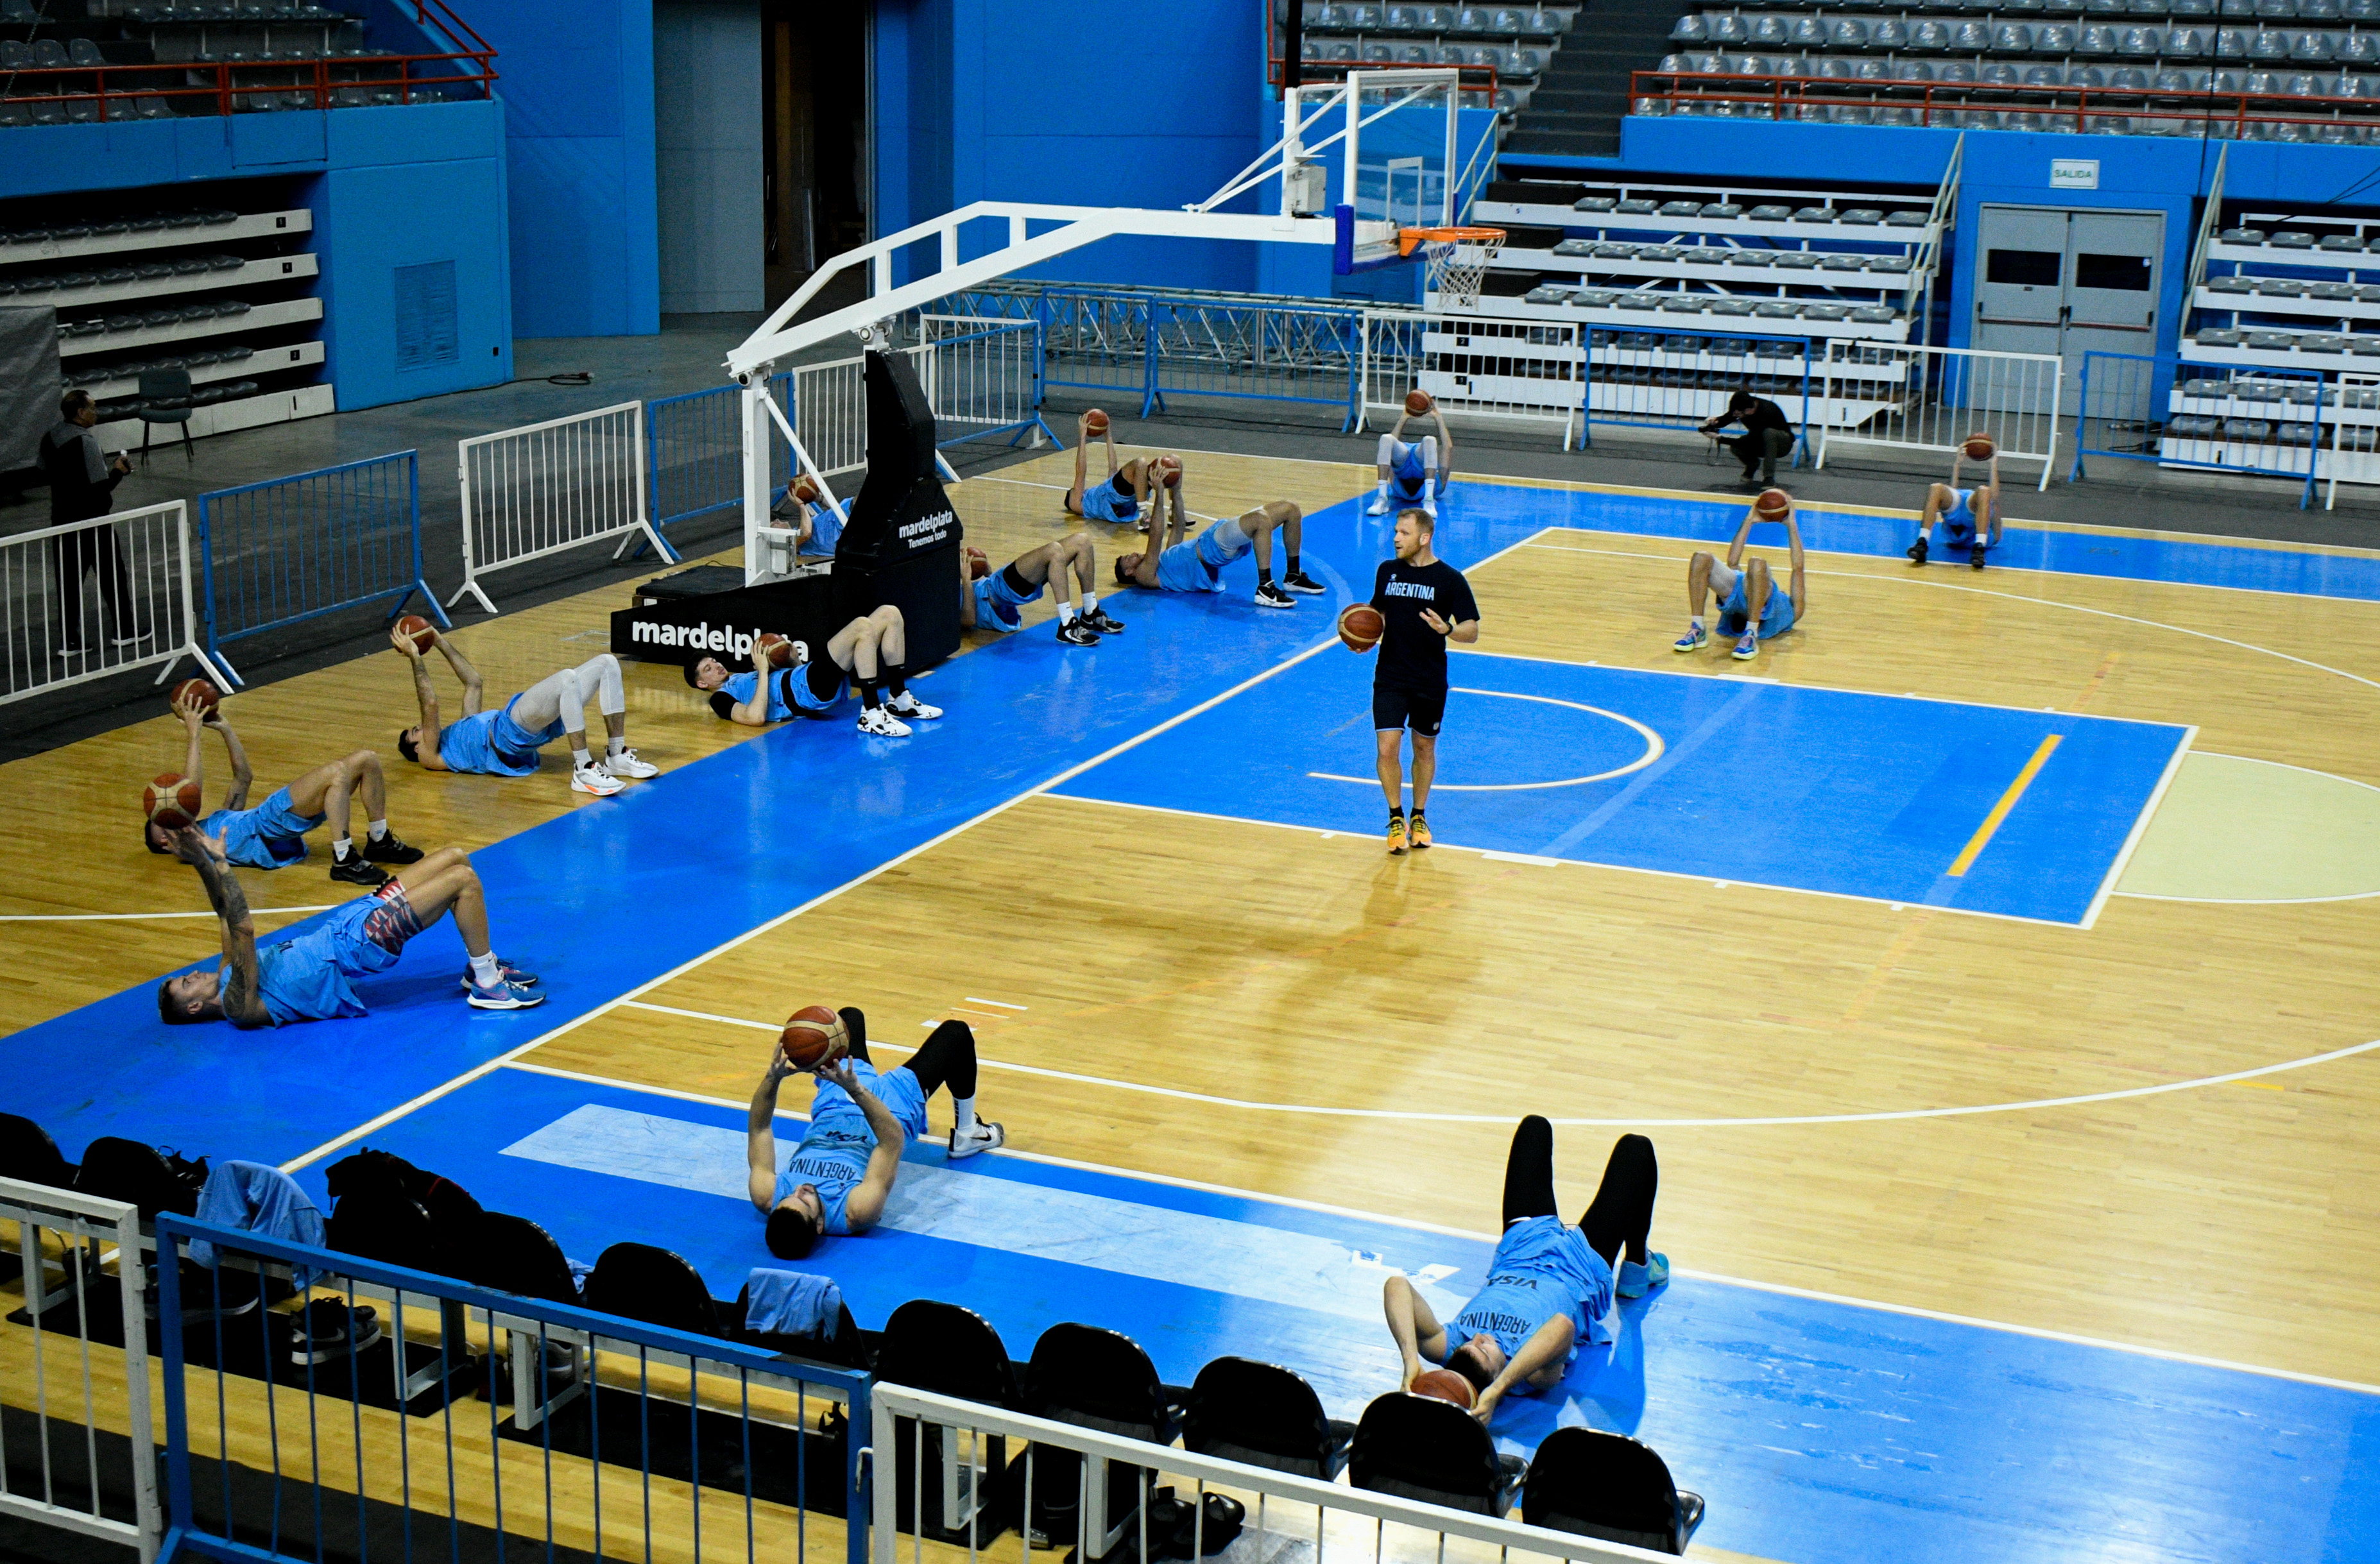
<point x="1768" y="433"/>
<point x="82" y="485"/>
<point x="1425" y="603"/>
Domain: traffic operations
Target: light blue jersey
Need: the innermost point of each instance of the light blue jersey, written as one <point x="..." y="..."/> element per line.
<point x="1540" y="1270"/>
<point x="739" y="688"/>
<point x="1776" y="614"/>
<point x="1196" y="565"/>
<point x="1959" y="521"/>
<point x="826" y="531"/>
<point x="270" y="836"/>
<point x="996" y="602"/>
<point x="834" y="1154"/>
<point x="1111" y="501"/>
<point x="306" y="978"/>
<point x="493" y="744"/>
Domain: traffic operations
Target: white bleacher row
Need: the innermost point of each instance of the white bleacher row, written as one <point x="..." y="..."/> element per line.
<point x="2305" y="296"/>
<point x="2131" y="39"/>
<point x="2148" y="76"/>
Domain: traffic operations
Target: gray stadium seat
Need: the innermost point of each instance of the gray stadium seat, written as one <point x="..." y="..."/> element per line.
<point x="2011" y="38"/>
<point x="2045" y="75"/>
<point x="2311" y="48"/>
<point x="1847" y="33"/>
<point x="1888" y="34"/>
<point x="2000" y="74"/>
<point x="2131" y="79"/>
<point x="2360" y="10"/>
<point x="1929" y="38"/>
<point x="1972" y="38"/>
<point x="2185" y="43"/>
<point x="2231" y="43"/>
<point x="49" y="53"/>
<point x="1769" y="32"/>
<point x="2095" y="41"/>
<point x="2085" y="76"/>
<point x="1690" y="29"/>
<point x="2142" y="42"/>
<point x="2054" y="38"/>
<point x="1809" y="32"/>
<point x="2268" y="46"/>
<point x="1959" y="71"/>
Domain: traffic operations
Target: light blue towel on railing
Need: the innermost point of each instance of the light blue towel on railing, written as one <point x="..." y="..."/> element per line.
<point x="792" y="1303"/>
<point x="256" y="1198"/>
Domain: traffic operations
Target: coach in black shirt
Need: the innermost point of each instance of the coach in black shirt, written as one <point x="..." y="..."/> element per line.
<point x="1427" y="604"/>
<point x="1767" y="432"/>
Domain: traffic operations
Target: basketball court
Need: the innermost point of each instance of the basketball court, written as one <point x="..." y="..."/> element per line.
<point x="1989" y="960"/>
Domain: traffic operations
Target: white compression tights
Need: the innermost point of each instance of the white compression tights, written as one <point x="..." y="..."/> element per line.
<point x="564" y="695"/>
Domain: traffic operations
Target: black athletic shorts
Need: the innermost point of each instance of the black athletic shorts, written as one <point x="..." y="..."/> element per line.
<point x="1422" y="710"/>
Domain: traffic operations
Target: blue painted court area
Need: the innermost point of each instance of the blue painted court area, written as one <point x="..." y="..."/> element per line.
<point x="1750" y="782"/>
<point x="1818" y="1429"/>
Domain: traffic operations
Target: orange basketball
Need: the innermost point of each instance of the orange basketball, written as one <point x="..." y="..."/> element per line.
<point x="780" y="650"/>
<point x="1169" y="471"/>
<point x="813" y="1036"/>
<point x="1445" y="1385"/>
<point x="805" y="490"/>
<point x="1361" y="626"/>
<point x="978" y="563"/>
<point x="1774" y="505"/>
<point x="171" y="801"/>
<point x="419" y="630"/>
<point x="1979" y="447"/>
<point x="1095" y="422"/>
<point x="1418" y="403"/>
<point x="208" y="695"/>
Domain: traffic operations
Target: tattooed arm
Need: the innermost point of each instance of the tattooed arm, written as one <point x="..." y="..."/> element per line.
<point x="242" y="1004"/>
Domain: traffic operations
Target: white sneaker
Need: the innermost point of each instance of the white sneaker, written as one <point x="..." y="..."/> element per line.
<point x="1379" y="505"/>
<point x="627" y="764"/>
<point x="883" y="724"/>
<point x="593" y="778"/>
<point x="906" y="704"/>
<point x="983" y="1137"/>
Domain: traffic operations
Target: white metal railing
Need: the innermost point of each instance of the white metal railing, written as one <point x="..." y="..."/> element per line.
<point x="1475" y="1538"/>
<point x="981" y="377"/>
<point x="77" y="1392"/>
<point x="88" y="599"/>
<point x="2354" y="454"/>
<point x="1514" y="372"/>
<point x="1932" y="398"/>
<point x="538" y="490"/>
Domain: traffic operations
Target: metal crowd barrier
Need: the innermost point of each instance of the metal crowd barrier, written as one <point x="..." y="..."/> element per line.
<point x="605" y="1436"/>
<point x="1676" y="379"/>
<point x="1110" y="1517"/>
<point x="545" y="487"/>
<point x="696" y="456"/>
<point x="292" y="549"/>
<point x="93" y="598"/>
<point x="983" y="379"/>
<point x="66" y="1371"/>
<point x="1513" y="371"/>
<point x="1932" y="398"/>
<point x="2216" y="418"/>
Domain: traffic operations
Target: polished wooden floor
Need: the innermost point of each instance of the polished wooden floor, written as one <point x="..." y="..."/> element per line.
<point x="1287" y="973"/>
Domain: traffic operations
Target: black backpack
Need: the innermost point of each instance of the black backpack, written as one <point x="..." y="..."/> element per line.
<point x="402" y="1214"/>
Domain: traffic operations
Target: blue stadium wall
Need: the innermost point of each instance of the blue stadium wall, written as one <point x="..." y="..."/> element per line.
<point x="387" y="187"/>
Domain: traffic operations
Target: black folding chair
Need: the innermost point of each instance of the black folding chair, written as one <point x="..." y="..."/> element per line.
<point x="513" y="1254"/>
<point x="1610" y="1487"/>
<point x="952" y="1351"/>
<point x="1264" y="1415"/>
<point x="1098" y="1378"/>
<point x="1424" y="1449"/>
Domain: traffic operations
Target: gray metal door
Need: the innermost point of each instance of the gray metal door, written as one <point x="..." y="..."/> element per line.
<point x="2066" y="281"/>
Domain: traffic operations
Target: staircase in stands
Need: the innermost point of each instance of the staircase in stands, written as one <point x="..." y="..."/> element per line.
<point x="1576" y="109"/>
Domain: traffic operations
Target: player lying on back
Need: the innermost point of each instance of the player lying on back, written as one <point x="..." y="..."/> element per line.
<point x="1549" y="1286"/>
<point x="1120" y="496"/>
<point x="869" y="651"/>
<point x="1962" y="513"/>
<point x="504" y="744"/>
<point x="989" y="601"/>
<point x="307" y="977"/>
<point x="1750" y="606"/>
<point x="1414" y="475"/>
<point x="272" y="835"/>
<point x="1172" y="564"/>
<point x="861" y="1119"/>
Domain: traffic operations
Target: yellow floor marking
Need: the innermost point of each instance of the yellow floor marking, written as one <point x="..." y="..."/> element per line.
<point x="1981" y="838"/>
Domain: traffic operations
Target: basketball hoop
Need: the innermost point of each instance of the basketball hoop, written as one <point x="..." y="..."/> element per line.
<point x="1454" y="261"/>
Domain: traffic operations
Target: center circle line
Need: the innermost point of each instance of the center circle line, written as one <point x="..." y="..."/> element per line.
<point x="1654" y="749"/>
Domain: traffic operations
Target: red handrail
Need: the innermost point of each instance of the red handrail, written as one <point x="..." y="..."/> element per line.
<point x="1276" y="63"/>
<point x="405" y="79"/>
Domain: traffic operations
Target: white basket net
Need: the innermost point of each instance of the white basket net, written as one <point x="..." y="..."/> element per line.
<point x="1453" y="269"/>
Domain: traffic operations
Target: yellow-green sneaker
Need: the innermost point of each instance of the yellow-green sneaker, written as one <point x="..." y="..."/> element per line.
<point x="1396" y="836"/>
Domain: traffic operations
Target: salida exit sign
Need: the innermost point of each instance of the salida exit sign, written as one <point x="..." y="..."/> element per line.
<point x="2073" y="174"/>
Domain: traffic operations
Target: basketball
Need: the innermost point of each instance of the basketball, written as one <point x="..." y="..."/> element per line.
<point x="1979" y="447"/>
<point x="1445" y="1385"/>
<point x="1361" y="626"/>
<point x="171" y="801"/>
<point x="419" y="630"/>
<point x="1095" y="422"/>
<point x="1774" y="505"/>
<point x="1418" y="403"/>
<point x="805" y="490"/>
<point x="813" y="1036"/>
<point x="1169" y="471"/>
<point x="780" y="650"/>
<point x="208" y="697"/>
<point x="978" y="563"/>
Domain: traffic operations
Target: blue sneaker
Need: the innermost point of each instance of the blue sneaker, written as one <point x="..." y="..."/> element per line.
<point x="1695" y="639"/>
<point x="1746" y="648"/>
<point x="1635" y="1281"/>
<point x="503" y="996"/>
<point x="508" y="972"/>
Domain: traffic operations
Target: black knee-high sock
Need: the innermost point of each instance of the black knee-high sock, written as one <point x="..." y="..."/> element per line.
<point x="856" y="1025"/>
<point x="946" y="1060"/>
<point x="896" y="679"/>
<point x="1529" y="1171"/>
<point x="867" y="693"/>
<point x="1622" y="1212"/>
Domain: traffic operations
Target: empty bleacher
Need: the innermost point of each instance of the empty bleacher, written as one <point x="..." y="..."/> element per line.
<point x="85" y="62"/>
<point x="1503" y="49"/>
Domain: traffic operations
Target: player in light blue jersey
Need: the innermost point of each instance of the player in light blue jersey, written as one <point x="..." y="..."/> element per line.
<point x="1970" y="519"/>
<point x="1752" y="607"/>
<point x="1548" y="1287"/>
<point x="272" y="835"/>
<point x="872" y="652"/>
<point x="1173" y="563"/>
<point x="861" y="1119"/>
<point x="504" y="744"/>
<point x="994" y="600"/>
<point x="1413" y="474"/>
<point x="1126" y="487"/>
<point x="310" y="975"/>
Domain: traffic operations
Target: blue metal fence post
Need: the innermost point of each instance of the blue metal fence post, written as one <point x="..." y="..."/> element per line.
<point x="169" y="1336"/>
<point x="1152" y="399"/>
<point x="1355" y="371"/>
<point x="859" y="1484"/>
<point x="413" y="483"/>
<point x="2314" y="450"/>
<point x="207" y="584"/>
